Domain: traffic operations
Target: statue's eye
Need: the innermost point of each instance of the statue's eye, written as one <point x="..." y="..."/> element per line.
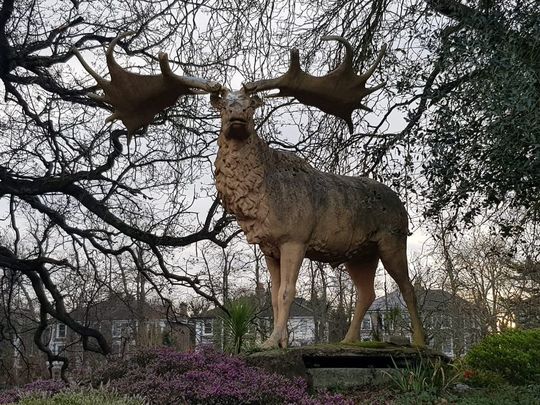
<point x="216" y="101"/>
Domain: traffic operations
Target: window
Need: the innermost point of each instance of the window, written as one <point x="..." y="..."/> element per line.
<point x="366" y="323"/>
<point x="441" y="321"/>
<point x="116" y="329"/>
<point x="58" y="348"/>
<point x="388" y="322"/>
<point x="116" y="347"/>
<point x="60" y="330"/>
<point x="445" y="321"/>
<point x="207" y="329"/>
<point x="406" y="321"/>
<point x="121" y="329"/>
<point x="447" y="346"/>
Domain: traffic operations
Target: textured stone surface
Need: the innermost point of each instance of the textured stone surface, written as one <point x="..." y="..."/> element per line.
<point x="291" y="209"/>
<point x="343" y="365"/>
<point x="294" y="211"/>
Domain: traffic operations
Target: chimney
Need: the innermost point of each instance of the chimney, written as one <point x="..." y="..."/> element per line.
<point x="418" y="284"/>
<point x="259" y="291"/>
<point x="182" y="309"/>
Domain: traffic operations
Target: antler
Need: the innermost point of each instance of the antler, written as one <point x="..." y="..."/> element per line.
<point x="136" y="98"/>
<point x="339" y="93"/>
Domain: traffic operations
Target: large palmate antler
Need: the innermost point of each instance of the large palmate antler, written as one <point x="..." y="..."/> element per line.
<point x="136" y="98"/>
<point x="339" y="93"/>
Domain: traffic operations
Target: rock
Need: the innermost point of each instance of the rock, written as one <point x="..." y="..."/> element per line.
<point x="461" y="388"/>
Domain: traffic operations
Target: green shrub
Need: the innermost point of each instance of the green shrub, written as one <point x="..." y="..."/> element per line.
<point x="417" y="398"/>
<point x="484" y="378"/>
<point x="502" y="395"/>
<point x="424" y="381"/>
<point x="513" y="355"/>
<point x="87" y="397"/>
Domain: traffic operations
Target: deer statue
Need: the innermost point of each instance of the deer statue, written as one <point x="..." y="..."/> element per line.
<point x="283" y="204"/>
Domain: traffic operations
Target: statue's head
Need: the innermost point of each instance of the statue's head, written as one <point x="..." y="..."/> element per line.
<point x="236" y="108"/>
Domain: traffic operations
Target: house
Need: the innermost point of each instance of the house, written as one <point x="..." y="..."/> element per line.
<point x="20" y="359"/>
<point x="526" y="311"/>
<point x="208" y="326"/>
<point x="127" y="324"/>
<point x="450" y="322"/>
<point x="204" y="326"/>
<point x="301" y="324"/>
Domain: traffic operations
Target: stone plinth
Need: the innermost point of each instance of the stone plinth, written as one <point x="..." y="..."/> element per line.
<point x="342" y="365"/>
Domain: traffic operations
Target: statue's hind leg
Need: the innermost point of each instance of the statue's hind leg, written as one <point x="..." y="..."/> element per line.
<point x="275" y="279"/>
<point x="363" y="275"/>
<point x="393" y="253"/>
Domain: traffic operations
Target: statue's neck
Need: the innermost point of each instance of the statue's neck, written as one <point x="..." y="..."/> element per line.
<point x="252" y="149"/>
<point x="240" y="171"/>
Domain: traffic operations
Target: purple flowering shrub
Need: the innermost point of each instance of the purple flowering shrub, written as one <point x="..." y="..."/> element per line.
<point x="164" y="376"/>
<point x="44" y="388"/>
<point x="8" y="396"/>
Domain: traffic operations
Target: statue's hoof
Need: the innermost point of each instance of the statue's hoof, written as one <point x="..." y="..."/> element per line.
<point x="269" y="345"/>
<point x="419" y="341"/>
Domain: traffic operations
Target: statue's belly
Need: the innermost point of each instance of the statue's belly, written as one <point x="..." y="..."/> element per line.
<point x="334" y="253"/>
<point x="328" y="251"/>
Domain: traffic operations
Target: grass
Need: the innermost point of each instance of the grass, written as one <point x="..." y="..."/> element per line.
<point x="84" y="397"/>
<point x="501" y="395"/>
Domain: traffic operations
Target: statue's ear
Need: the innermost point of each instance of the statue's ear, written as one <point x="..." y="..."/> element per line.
<point x="256" y="101"/>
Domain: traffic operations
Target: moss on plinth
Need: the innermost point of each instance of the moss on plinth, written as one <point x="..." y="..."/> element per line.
<point x="349" y="364"/>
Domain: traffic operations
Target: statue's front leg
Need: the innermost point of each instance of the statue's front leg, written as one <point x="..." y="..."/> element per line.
<point x="275" y="280"/>
<point x="291" y="257"/>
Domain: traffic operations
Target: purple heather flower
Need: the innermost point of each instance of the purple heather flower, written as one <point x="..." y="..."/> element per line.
<point x="38" y="387"/>
<point x="164" y="376"/>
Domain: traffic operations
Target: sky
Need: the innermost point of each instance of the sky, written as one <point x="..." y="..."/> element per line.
<point x="416" y="241"/>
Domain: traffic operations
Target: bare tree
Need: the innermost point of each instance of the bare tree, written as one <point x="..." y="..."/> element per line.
<point x="86" y="213"/>
<point x="478" y="267"/>
<point x="84" y="206"/>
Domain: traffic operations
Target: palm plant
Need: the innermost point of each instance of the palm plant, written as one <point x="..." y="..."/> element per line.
<point x="236" y="322"/>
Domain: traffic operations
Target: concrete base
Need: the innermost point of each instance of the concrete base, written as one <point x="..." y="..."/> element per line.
<point x="342" y="365"/>
<point x="325" y="378"/>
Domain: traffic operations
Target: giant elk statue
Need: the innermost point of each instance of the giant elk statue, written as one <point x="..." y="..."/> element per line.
<point x="282" y="203"/>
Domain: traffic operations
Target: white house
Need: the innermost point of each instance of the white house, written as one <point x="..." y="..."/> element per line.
<point x="450" y="322"/>
<point x="301" y="325"/>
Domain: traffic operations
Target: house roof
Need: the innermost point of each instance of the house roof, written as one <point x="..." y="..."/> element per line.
<point x="18" y="317"/>
<point x="299" y="308"/>
<point x="428" y="300"/>
<point x="118" y="308"/>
